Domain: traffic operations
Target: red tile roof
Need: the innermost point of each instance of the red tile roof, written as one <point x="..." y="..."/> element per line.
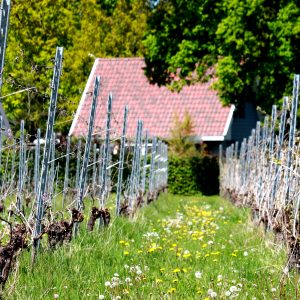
<point x="156" y="106"/>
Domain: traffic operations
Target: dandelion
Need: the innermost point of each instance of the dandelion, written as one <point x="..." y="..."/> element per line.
<point x="233" y="289"/>
<point x="245" y="253"/>
<point x="220" y="277"/>
<point x="227" y="293"/>
<point x="55" y="296"/>
<point x="171" y="290"/>
<point x="158" y="280"/>
<point x="198" y="274"/>
<point x="116" y="275"/>
<point x="126" y="252"/>
<point x="177" y="270"/>
<point x="101" y="296"/>
<point x="213" y="295"/>
<point x="107" y="283"/>
<point x="273" y="290"/>
<point x="127" y="280"/>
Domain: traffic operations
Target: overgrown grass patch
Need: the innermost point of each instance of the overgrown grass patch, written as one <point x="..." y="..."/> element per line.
<point x="176" y="248"/>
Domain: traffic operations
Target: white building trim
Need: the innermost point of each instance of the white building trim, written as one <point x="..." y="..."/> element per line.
<point x="83" y="97"/>
<point x="229" y="119"/>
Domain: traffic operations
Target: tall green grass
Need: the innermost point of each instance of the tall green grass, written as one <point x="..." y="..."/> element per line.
<point x="176" y="248"/>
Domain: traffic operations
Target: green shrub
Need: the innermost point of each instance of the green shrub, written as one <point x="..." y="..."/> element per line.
<point x="190" y="175"/>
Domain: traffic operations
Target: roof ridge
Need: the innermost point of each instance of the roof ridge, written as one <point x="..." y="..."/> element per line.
<point x="120" y="58"/>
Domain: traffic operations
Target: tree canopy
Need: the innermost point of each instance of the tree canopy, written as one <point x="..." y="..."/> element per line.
<point x="86" y="29"/>
<point x="252" y="47"/>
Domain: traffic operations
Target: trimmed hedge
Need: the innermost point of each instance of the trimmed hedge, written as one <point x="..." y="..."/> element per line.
<point x="191" y="175"/>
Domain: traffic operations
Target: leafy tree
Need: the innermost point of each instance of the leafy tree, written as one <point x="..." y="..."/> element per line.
<point x="86" y="29"/>
<point x="253" y="46"/>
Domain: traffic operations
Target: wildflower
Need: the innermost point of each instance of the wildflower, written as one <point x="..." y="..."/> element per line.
<point x="198" y="274"/>
<point x="127" y="280"/>
<point x="162" y="269"/>
<point x="55" y="296"/>
<point x="177" y="270"/>
<point x="101" y="297"/>
<point x="210" y="242"/>
<point x="126" y="252"/>
<point x="139" y="272"/>
<point x="171" y="290"/>
<point x="125" y="292"/>
<point x="107" y="283"/>
<point x="116" y="275"/>
<point x="117" y="298"/>
<point x="158" y="280"/>
<point x="213" y="295"/>
<point x="245" y="253"/>
<point x="126" y="266"/>
<point x="175" y="280"/>
<point x="273" y="290"/>
<point x="227" y="293"/>
<point x="220" y="277"/>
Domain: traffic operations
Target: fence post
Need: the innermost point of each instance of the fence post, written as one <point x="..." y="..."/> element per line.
<point x="143" y="188"/>
<point x="66" y="178"/>
<point x="103" y="187"/>
<point x="88" y="145"/>
<point x="78" y="164"/>
<point x="21" y="168"/>
<point x="46" y="157"/>
<point x="4" y="21"/>
<point x="37" y="161"/>
<point x="291" y="144"/>
<point x="121" y="162"/>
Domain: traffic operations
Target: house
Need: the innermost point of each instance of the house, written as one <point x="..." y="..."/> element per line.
<point x="156" y="106"/>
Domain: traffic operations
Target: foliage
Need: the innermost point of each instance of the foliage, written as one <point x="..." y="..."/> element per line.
<point x="190" y="175"/>
<point x="181" y="138"/>
<point x="170" y="240"/>
<point x="251" y="46"/>
<point x="86" y="29"/>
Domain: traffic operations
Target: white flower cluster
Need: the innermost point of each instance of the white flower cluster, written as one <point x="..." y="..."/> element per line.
<point x="150" y="235"/>
<point x="212" y="294"/>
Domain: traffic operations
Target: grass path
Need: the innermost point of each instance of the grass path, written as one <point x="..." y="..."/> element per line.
<point x="176" y="248"/>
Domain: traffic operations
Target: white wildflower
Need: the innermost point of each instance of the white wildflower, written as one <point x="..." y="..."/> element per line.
<point x="213" y="295"/>
<point x="198" y="274"/>
<point x="107" y="283"/>
<point x="55" y="296"/>
<point x="246" y="253"/>
<point x="127" y="280"/>
<point x="220" y="277"/>
<point x="273" y="290"/>
<point x="101" y="297"/>
<point x="210" y="242"/>
<point x="227" y="293"/>
<point x="116" y="275"/>
<point x="233" y="289"/>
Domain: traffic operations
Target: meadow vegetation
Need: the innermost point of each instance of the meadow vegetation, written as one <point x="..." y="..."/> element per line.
<point x="178" y="247"/>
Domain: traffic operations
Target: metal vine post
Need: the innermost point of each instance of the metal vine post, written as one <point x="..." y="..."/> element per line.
<point x="121" y="162"/>
<point x="42" y="196"/>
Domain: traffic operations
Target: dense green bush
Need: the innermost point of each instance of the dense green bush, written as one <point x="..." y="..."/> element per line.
<point x="190" y="175"/>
